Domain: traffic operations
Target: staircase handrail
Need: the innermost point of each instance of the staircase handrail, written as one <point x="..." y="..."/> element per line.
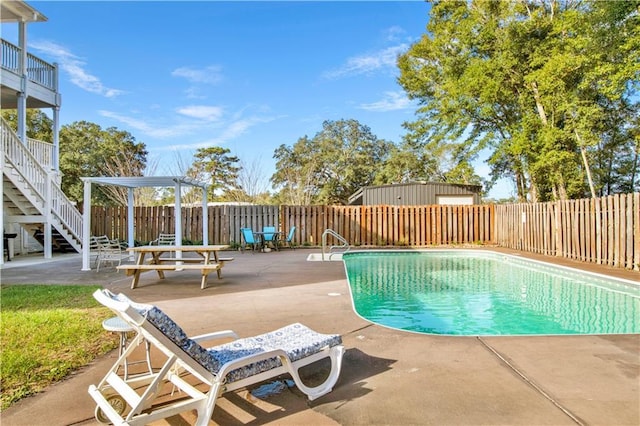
<point x="343" y="243"/>
<point x="38" y="178"/>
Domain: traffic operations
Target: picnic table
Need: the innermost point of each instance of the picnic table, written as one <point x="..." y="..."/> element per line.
<point x="207" y="261"/>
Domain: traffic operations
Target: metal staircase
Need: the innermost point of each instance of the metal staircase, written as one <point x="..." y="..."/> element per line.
<point x="32" y="197"/>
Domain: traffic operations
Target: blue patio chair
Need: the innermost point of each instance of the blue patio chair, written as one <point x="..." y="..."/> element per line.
<point x="249" y="239"/>
<point x="269" y="235"/>
<point x="289" y="239"/>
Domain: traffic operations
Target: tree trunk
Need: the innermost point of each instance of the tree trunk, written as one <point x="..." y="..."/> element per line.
<point x="533" y="191"/>
<point x="539" y="106"/>
<point x="562" y="188"/>
<point x="583" y="151"/>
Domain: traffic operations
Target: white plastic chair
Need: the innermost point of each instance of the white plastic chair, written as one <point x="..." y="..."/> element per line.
<point x="219" y="369"/>
<point x="107" y="250"/>
<point x="164" y="240"/>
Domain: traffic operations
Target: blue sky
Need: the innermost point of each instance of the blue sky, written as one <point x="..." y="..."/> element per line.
<point x="248" y="76"/>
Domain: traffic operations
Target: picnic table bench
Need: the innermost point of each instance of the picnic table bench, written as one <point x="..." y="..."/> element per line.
<point x="206" y="263"/>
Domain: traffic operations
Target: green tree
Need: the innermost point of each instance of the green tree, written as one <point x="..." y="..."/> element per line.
<point x="408" y="163"/>
<point x="87" y="150"/>
<point x="423" y="160"/>
<point x="295" y="173"/>
<point x="533" y="82"/>
<point x="344" y="156"/>
<point x="39" y="125"/>
<point x="215" y="166"/>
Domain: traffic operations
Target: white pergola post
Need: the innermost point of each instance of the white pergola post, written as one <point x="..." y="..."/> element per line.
<point x="130" y="224"/>
<point x="178" y="217"/>
<point x="86" y="227"/>
<point x="205" y="217"/>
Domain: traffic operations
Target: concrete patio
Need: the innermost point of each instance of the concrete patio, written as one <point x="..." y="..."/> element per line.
<point x="389" y="377"/>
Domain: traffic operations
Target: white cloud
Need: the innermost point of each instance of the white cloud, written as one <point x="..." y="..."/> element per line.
<point x="367" y="64"/>
<point x="228" y="133"/>
<point x="75" y="67"/>
<point x="201" y="112"/>
<point x="149" y="129"/>
<point x="209" y="121"/>
<point x="241" y="126"/>
<point x="208" y="75"/>
<point x="194" y="93"/>
<point x="392" y="101"/>
<point x="395" y="33"/>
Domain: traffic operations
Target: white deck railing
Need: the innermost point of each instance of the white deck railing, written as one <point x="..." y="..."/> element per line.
<point x="38" y="71"/>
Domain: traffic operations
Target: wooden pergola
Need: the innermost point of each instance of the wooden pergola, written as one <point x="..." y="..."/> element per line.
<point x="177" y="182"/>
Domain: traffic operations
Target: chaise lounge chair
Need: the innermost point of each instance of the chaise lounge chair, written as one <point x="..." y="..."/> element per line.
<point x="219" y="369"/>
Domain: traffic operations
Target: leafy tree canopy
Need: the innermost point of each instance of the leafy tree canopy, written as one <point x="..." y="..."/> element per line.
<point x="88" y="150"/>
<point x="543" y="85"/>
<point x="215" y="166"/>
<point x="344" y="156"/>
<point x="39" y="125"/>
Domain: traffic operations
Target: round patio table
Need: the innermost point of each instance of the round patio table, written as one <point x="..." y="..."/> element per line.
<point x="118" y="325"/>
<point x="276" y="237"/>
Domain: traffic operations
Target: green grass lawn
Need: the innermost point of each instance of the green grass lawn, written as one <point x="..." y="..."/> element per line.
<point x="46" y="332"/>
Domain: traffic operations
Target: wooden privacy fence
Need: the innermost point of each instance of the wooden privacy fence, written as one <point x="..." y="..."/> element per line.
<point x="602" y="230"/>
<point x="360" y="225"/>
<point x="224" y="222"/>
<point x="415" y="226"/>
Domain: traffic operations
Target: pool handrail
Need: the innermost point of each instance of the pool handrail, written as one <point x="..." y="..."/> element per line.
<point x="340" y="238"/>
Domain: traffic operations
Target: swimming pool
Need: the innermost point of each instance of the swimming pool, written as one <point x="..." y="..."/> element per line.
<point x="472" y="292"/>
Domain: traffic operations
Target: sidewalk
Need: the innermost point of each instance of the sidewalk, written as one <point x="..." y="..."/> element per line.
<point x="389" y="377"/>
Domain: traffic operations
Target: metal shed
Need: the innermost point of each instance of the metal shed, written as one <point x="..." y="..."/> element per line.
<point x="417" y="193"/>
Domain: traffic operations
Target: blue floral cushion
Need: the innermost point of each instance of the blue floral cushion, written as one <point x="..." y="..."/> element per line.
<point x="173" y="331"/>
<point x="297" y="340"/>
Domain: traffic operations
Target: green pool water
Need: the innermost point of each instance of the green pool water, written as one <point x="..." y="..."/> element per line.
<point x="458" y="292"/>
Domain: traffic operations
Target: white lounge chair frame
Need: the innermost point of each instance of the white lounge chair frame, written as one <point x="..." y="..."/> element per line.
<point x="108" y="251"/>
<point x="113" y="394"/>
